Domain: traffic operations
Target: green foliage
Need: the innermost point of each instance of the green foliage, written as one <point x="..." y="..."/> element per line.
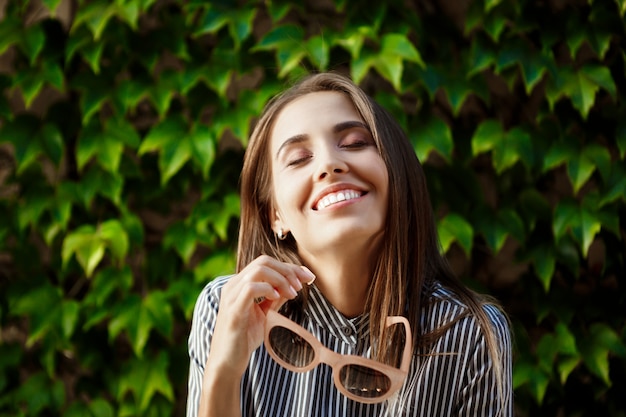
<point x="122" y="128"/>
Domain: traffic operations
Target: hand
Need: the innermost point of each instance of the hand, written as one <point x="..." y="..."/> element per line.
<point x="241" y="319"/>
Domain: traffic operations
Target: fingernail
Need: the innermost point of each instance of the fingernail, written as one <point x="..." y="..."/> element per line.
<point x="309" y="273"/>
<point x="293" y="291"/>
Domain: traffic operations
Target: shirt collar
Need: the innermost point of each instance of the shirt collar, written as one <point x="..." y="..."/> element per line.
<point x="322" y="313"/>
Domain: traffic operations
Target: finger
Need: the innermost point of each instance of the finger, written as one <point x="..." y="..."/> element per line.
<point x="295" y="274"/>
<point x="277" y="275"/>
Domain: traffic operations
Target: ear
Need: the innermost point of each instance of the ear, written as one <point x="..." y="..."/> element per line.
<point x="277" y="222"/>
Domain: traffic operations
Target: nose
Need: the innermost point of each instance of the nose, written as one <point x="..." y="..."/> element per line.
<point x="330" y="163"/>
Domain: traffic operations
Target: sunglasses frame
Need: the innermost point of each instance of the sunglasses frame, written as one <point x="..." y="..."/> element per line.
<point x="337" y="361"/>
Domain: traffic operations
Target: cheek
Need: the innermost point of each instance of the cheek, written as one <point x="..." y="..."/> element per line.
<point x="289" y="193"/>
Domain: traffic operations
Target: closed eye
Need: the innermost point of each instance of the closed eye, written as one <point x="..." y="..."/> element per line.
<point x="298" y="161"/>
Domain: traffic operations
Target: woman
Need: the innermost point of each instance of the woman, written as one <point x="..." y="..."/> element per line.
<point x="332" y="192"/>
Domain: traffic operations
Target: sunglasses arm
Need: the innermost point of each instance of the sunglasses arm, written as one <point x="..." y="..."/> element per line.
<point x="408" y="346"/>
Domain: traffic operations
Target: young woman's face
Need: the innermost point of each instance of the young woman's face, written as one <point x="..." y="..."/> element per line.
<point x="330" y="184"/>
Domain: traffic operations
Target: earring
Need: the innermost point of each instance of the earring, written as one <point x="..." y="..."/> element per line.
<point x="280" y="234"/>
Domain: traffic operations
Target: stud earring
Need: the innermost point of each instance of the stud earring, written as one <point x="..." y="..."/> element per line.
<point x="281" y="235"/>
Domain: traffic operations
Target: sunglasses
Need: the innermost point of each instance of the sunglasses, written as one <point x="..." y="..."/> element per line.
<point x="361" y="379"/>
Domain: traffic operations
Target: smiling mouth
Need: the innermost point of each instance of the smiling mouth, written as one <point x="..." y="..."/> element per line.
<point x="337" y="197"/>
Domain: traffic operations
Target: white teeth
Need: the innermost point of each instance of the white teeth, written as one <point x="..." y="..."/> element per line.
<point x="336" y="198"/>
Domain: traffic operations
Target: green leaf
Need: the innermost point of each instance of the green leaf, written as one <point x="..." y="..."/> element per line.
<point x="490" y="4"/>
<point x="544" y="261"/>
<point x="219" y="263"/>
<point x="496" y="228"/>
<point x="581" y="163"/>
<point x="581" y="221"/>
<point x="396" y="44"/>
<point x="182" y="238"/>
<point x="10" y="31"/>
<point x="22" y="133"/>
<point x="203" y="147"/>
<point x="536" y="378"/>
<point x="115" y="237"/>
<point x="33" y="41"/>
<point x="318" y="48"/>
<point x="566" y="366"/>
<point x="106" y="282"/>
<point x="145" y="378"/>
<point x="453" y="228"/>
<point x="580" y="87"/>
<point x="104" y="146"/>
<point x="95" y="15"/>
<point x="288" y="43"/>
<point x="161" y="134"/>
<point x="596" y="347"/>
<point x="172" y="157"/>
<point x="508" y="147"/>
<point x="139" y="316"/>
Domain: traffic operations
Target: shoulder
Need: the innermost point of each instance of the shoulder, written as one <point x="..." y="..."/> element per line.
<point x="209" y="297"/>
<point x="445" y="309"/>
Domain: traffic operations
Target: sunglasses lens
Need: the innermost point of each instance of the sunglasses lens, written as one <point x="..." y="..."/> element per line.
<point x="290" y="347"/>
<point x="364" y="382"/>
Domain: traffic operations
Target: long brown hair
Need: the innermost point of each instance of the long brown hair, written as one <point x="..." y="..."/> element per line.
<point x="410" y="258"/>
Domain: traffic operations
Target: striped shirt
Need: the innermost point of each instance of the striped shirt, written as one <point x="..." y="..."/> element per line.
<point x="460" y="384"/>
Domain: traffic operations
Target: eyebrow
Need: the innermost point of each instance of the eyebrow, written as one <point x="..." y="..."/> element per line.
<point x="338" y="128"/>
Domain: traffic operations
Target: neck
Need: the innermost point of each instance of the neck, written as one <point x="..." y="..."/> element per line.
<point x="343" y="280"/>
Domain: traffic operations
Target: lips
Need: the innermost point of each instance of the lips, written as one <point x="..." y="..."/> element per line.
<point x="336" y="195"/>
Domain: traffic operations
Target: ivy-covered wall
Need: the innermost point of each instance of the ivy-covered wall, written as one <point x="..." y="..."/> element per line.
<point x="122" y="129"/>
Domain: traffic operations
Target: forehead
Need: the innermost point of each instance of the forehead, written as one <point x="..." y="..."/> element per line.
<point x="311" y="113"/>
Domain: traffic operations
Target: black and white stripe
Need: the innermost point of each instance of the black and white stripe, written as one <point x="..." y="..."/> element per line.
<point x="454" y="377"/>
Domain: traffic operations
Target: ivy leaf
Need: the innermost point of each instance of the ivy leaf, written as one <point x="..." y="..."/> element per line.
<point x="496" y="228"/>
<point x="172" y="157"/>
<point x="288" y="43"/>
<point x="615" y="185"/>
<point x="94" y="142"/>
<point x="203" y="146"/>
<point x="537" y="379"/>
<point x="182" y="238"/>
<point x="10" y="31"/>
<point x="95" y="15"/>
<point x="453" y="228"/>
<point x="238" y="20"/>
<point x="396" y="44"/>
<point x="21" y="133"/>
<point x="533" y="64"/>
<point x="104" y="183"/>
<point x="105" y="283"/>
<point x="119" y="130"/>
<point x="544" y="261"/>
<point x="33" y="41"/>
<point x="508" y="147"/>
<point x="394" y="49"/>
<point x="481" y="57"/>
<point x="580" y="86"/>
<point x="580" y="168"/>
<point x="113" y="234"/>
<point x="139" y="316"/>
<point x="581" y="221"/>
<point x="581" y="162"/>
<point x="596" y="347"/>
<point x="145" y="378"/>
<point x="218" y="263"/>
<point x="353" y="39"/>
<point x="490" y="4"/>
<point x="318" y="48"/>
<point x="37" y="304"/>
<point x="494" y="24"/>
<point x="174" y="151"/>
<point x="231" y="206"/>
